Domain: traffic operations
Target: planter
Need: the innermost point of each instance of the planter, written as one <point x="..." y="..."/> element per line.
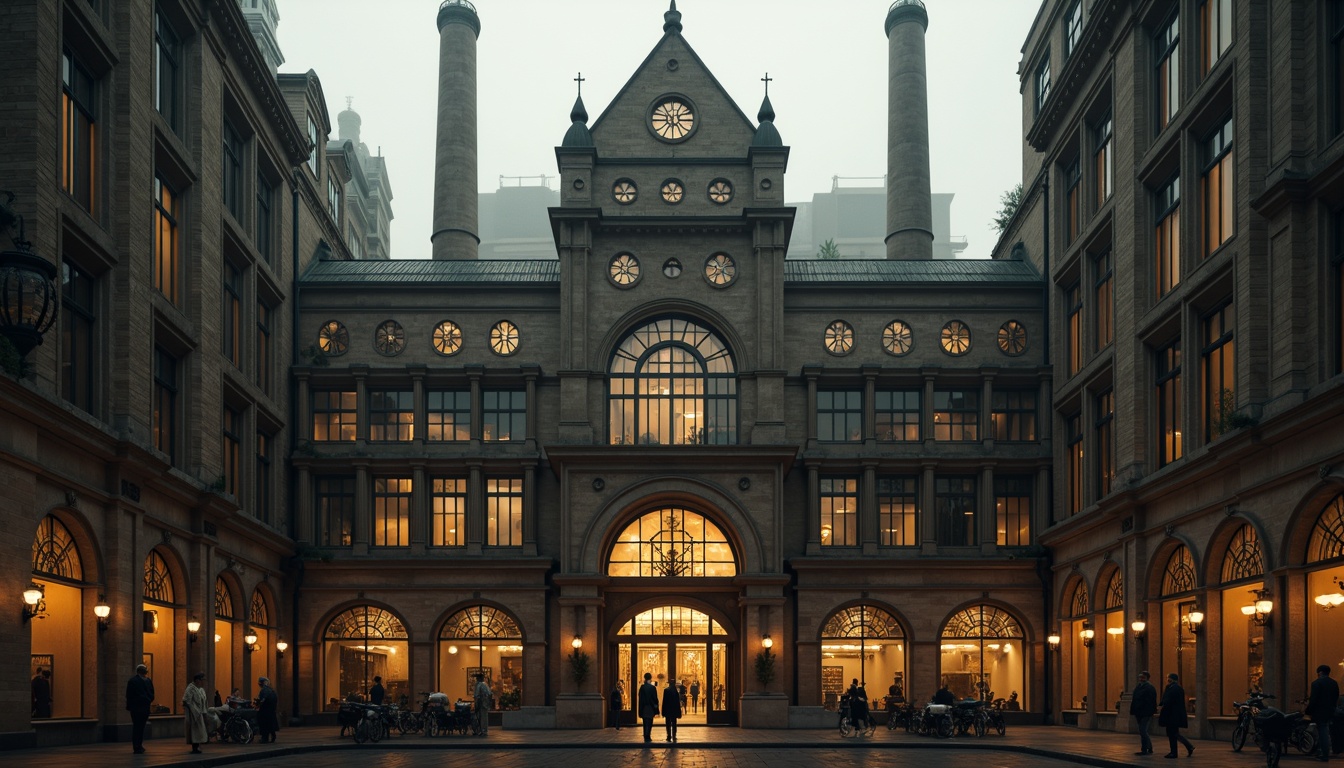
<point x="764" y="710"/>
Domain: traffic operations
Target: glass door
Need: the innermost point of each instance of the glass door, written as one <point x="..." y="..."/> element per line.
<point x="692" y="677"/>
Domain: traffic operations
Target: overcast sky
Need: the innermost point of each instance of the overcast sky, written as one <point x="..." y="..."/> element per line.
<point x="827" y="62"/>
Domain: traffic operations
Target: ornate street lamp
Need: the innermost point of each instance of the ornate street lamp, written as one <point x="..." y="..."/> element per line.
<point x="27" y="287"/>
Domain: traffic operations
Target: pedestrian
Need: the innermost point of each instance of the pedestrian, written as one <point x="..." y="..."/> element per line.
<point x="858" y="705"/>
<point x="681" y="693"/>
<point x="1143" y="706"/>
<point x="1174" y="717"/>
<point x="718" y="696"/>
<point x="377" y="693"/>
<point x="268" y="702"/>
<point x="944" y="696"/>
<point x="617" y="704"/>
<point x="672" y="709"/>
<point x="482" y="694"/>
<point x="42" y="693"/>
<point x="695" y="695"/>
<point x="139" y="696"/>
<point x="193" y="713"/>
<point x="1321" y="708"/>
<point x="648" y="705"/>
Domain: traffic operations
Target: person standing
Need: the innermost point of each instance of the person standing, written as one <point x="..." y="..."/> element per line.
<point x="268" y="704"/>
<point x="1174" y="716"/>
<point x="695" y="695"/>
<point x="377" y="693"/>
<point x="139" y="696"/>
<point x="648" y="705"/>
<point x="1143" y="706"/>
<point x="482" y="694"/>
<point x="42" y="694"/>
<point x="617" y="704"/>
<point x="193" y="713"/>
<point x="1321" y="708"/>
<point x="672" y="709"/>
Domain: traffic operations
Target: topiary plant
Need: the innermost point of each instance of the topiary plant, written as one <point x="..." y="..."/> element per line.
<point x="765" y="667"/>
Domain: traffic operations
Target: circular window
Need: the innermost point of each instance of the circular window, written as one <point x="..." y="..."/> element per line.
<point x="624" y="269"/>
<point x="504" y="338"/>
<point x="624" y="191"/>
<point x="390" y="338"/>
<point x="720" y="269"/>
<point x="1013" y="338"/>
<point x="897" y="339"/>
<point x="672" y="119"/>
<point x="673" y="191"/>
<point x="720" y="191"/>
<point x="839" y="338"/>
<point x="447" y="338"/>
<point x="672" y="268"/>
<point x="333" y="338"/>
<point x="956" y="338"/>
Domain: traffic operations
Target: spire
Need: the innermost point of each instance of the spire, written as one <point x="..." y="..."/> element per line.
<point x="578" y="134"/>
<point x="766" y="134"/>
<point x="672" y="19"/>
<point x="767" y="113"/>
<point x="578" y="114"/>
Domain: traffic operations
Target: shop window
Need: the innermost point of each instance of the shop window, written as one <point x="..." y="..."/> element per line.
<point x="864" y="642"/>
<point x="56" y="644"/>
<point x="359" y="644"/>
<point x="982" y="655"/>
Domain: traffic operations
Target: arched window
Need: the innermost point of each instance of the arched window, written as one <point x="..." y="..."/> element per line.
<point x="259" y="621"/>
<point x="359" y="644"/>
<point x="672" y="382"/>
<point x="1327" y="537"/>
<point x="482" y="640"/>
<point x="671" y="542"/>
<point x="1325" y="585"/>
<point x="1112" y="622"/>
<point x="1074" y="682"/>
<point x="225" y="639"/>
<point x="864" y="642"/>
<point x="1078" y="605"/>
<point x="1242" y="560"/>
<point x="1243" y="657"/>
<point x="1179" y="575"/>
<point x="1182" y="615"/>
<point x="159" y="622"/>
<point x="982" y="654"/>
<point x="158" y="580"/>
<point x="57" y="639"/>
<point x="671" y="620"/>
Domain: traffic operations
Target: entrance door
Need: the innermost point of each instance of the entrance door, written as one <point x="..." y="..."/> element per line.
<point x="680" y="647"/>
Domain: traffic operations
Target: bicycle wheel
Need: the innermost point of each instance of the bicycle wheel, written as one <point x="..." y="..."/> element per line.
<point x="846" y="727"/>
<point x="1305" y="742"/>
<point x="375" y="730"/>
<point x="872" y="726"/>
<point x="362" y="730"/>
<point x="943" y="727"/>
<point x="238" y="730"/>
<point x="1000" y="725"/>
<point x="980" y="726"/>
<point x="1272" y="754"/>
<point x="1238" y="737"/>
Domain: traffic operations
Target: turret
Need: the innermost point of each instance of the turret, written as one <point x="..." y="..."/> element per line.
<point x="909" y="211"/>
<point x="456" y="227"/>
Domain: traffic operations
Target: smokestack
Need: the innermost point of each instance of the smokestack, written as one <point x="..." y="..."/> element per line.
<point x="909" y="210"/>
<point x="456" y="227"/>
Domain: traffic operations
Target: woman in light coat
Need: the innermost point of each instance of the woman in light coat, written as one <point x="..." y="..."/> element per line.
<point x="193" y="710"/>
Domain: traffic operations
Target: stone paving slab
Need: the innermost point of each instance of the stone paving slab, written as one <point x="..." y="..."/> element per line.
<point x="324" y="746"/>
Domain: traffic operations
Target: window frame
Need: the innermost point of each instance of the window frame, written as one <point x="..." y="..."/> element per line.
<point x="842" y="408"/>
<point x="263" y="503"/>
<point x="1073" y="200"/>
<point x="452" y="402"/>
<point x="1010" y="415"/>
<point x="1073" y="327"/>
<point x="264" y="224"/>
<point x="1103" y="165"/>
<point x="955" y="419"/>
<point x="1167" y="403"/>
<point x="167" y="67"/>
<point x="390" y="503"/>
<point x="387" y="409"/>
<point x="167" y="257"/>
<point x="231" y="338"/>
<point x="1011" y="494"/>
<point x="1217" y="181"/>
<point x="898" y="499"/>
<point x="167" y="390"/>
<point x="79" y="131"/>
<point x="1073" y="457"/>
<point x="1042" y="83"/>
<point x="440" y="514"/>
<point x="1167" y="46"/>
<point x="893" y="414"/>
<point x="1167" y="236"/>
<point x="340" y="490"/>
<point x="497" y="411"/>
<point x="1073" y="28"/>
<point x="79" y="337"/>
<point x="1214" y="39"/>
<point x="231" y="442"/>
<point x="265" y="361"/>
<point x="495" y="492"/>
<point x="1103" y="427"/>
<point x="839" y="487"/>
<point x="1103" y="299"/>
<point x="1218" y="355"/>
<point x="949" y="502"/>
<point x="333" y="414"/>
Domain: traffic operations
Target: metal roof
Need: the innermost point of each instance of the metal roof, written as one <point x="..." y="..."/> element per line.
<point x="899" y="271"/>
<point x="404" y="271"/>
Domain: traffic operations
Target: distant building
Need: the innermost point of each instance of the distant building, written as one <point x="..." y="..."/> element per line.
<point x="853" y="215"/>
<point x="262" y="19"/>
<point x="514" y="224"/>
<point x="367" y="193"/>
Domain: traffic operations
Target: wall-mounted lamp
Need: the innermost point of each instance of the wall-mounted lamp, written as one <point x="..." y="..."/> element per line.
<point x="1087" y="634"/>
<point x="1332" y="600"/>
<point x="1138" y="626"/>
<point x="103" y="611"/>
<point x="218" y="637"/>
<point x="1053" y="642"/>
<point x="280" y="647"/>
<point x="193" y="630"/>
<point x="576" y="643"/>
<point x="1194" y="620"/>
<point x="766" y="642"/>
<point x="34" y="602"/>
<point x="452" y="649"/>
<point x="29" y="299"/>
<point x="1115" y="631"/>
<point x="1259" y="609"/>
<point x="249" y="638"/>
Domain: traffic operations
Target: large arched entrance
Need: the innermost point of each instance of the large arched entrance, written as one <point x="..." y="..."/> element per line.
<point x="683" y="647"/>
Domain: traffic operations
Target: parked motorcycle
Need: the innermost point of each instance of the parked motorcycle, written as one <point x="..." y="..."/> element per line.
<point x="1246" y="711"/>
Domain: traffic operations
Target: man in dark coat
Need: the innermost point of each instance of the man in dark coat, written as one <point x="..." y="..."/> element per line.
<point x="648" y="705"/>
<point x="1173" y="716"/>
<point x="139" y="695"/>
<point x="944" y="696"/>
<point x="268" y="701"/>
<point x="858" y="705"/>
<point x="1143" y="706"/>
<point x="377" y="693"/>
<point x="672" y="709"/>
<point x="616" y="705"/>
<point x="42" y="693"/>
<point x="1321" y="708"/>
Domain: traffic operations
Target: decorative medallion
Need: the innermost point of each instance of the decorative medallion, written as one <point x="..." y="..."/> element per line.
<point x="720" y="191"/>
<point x="673" y="191"/>
<point x="956" y="338"/>
<point x="672" y="268"/>
<point x="390" y="338"/>
<point x="839" y="337"/>
<point x="672" y="120"/>
<point x="447" y="338"/>
<point x="624" y="192"/>
<point x="504" y="338"/>
<point x="624" y="270"/>
<point x="720" y="269"/>
<point x="333" y="338"/>
<point x="897" y="339"/>
<point x="1013" y="338"/>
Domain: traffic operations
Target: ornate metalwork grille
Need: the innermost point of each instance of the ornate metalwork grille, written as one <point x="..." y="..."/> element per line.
<point x="862" y="621"/>
<point x="1327" y="538"/>
<point x="366" y="622"/>
<point x="480" y="622"/>
<point x="223" y="600"/>
<point x="55" y="552"/>
<point x="672" y="542"/>
<point x="1179" y="575"/>
<point x="1243" y="559"/>
<point x="158" y="581"/>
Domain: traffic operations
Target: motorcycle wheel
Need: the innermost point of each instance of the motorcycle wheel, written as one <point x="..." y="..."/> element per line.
<point x="846" y="728"/>
<point x="1238" y="737"/>
<point x="979" y="726"/>
<point x="1272" y="754"/>
<point x="944" y="727"/>
<point x="362" y="731"/>
<point x="1000" y="725"/>
<point x="1305" y="742"/>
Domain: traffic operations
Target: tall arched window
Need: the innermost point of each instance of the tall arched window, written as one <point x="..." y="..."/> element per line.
<point x="1325" y="586"/>
<point x="225" y="637"/>
<point x="866" y="642"/>
<point x="159" y="616"/>
<point x="672" y="542"/>
<point x="983" y="644"/>
<point x="1076" y="654"/>
<point x="359" y="644"/>
<point x="1243" y="576"/>
<point x="1113" y="623"/>
<point x="483" y="640"/>
<point x="57" y="637"/>
<point x="672" y="382"/>
<point x="260" y="621"/>
<point x="1182" y="615"/>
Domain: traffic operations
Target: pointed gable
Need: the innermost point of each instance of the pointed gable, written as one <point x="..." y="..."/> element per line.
<point x="673" y="71"/>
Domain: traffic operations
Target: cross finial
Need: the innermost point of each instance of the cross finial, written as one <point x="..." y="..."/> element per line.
<point x="580" y="80"/>
<point x="348" y="99"/>
<point x="767" y="80"/>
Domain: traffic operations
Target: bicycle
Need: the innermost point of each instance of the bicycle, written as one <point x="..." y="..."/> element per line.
<point x="1246" y="711"/>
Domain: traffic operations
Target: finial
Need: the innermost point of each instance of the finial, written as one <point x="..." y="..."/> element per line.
<point x="349" y="99"/>
<point x="767" y="80"/>
<point x="579" y="80"/>
<point x="767" y="113"/>
<point x="672" y="19"/>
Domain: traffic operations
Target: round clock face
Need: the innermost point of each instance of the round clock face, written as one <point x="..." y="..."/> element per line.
<point x="624" y="269"/>
<point x="624" y="191"/>
<point x="504" y="338"/>
<point x="720" y="269"/>
<point x="720" y="191"/>
<point x="896" y="338"/>
<point x="956" y="338"/>
<point x="839" y="338"/>
<point x="390" y="338"/>
<point x="673" y="191"/>
<point x="672" y="120"/>
<point x="333" y="338"/>
<point x="447" y="338"/>
<point x="1013" y="338"/>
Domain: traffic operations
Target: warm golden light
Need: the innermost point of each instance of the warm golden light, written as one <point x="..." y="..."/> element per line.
<point x="1053" y="640"/>
<point x="452" y="649"/>
<point x="32" y="595"/>
<point x="766" y="642"/>
<point x="282" y="646"/>
<point x="1113" y="631"/>
<point x="102" y="610"/>
<point x="251" y="637"/>
<point x="193" y="626"/>
<point x="576" y="643"/>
